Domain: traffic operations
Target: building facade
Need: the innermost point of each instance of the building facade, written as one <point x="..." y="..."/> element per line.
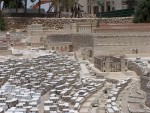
<point x="68" y="42"/>
<point x="111" y="63"/>
<point x="107" y="5"/>
<point x="107" y="40"/>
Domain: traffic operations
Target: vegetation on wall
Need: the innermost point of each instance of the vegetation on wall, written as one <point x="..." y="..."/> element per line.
<point x="142" y="12"/>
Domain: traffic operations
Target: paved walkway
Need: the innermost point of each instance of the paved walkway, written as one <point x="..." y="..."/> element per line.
<point x="98" y="97"/>
<point x="86" y="107"/>
<point x="43" y="99"/>
<point x="125" y="96"/>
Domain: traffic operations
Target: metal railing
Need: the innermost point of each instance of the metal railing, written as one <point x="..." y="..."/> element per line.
<point x="117" y="13"/>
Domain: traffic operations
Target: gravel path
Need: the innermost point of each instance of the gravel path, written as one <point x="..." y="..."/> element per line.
<point x="124" y="100"/>
<point x="43" y="99"/>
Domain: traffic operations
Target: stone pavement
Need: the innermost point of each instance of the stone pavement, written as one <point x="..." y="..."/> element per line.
<point x="87" y="106"/>
<point x="99" y="97"/>
<point x="124" y="97"/>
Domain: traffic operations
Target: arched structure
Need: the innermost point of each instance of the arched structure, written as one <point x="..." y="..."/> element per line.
<point x="53" y="48"/>
<point x="70" y="48"/>
<point x="57" y="48"/>
<point x="61" y="49"/>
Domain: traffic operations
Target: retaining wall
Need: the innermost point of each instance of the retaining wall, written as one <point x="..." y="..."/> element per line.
<point x="57" y="23"/>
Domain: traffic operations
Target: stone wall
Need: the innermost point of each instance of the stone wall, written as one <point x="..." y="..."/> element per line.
<point x="5" y="52"/>
<point x="57" y="23"/>
<point x="112" y="44"/>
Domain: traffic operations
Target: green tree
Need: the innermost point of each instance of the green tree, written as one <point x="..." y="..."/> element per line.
<point x="65" y="5"/>
<point x="13" y="4"/>
<point x="142" y="12"/>
<point x="2" y="22"/>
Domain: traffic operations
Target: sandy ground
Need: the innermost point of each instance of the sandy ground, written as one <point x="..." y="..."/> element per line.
<point x="121" y="75"/>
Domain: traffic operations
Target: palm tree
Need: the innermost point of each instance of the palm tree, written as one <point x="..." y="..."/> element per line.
<point x="25" y="7"/>
<point x="39" y="7"/>
<point x="56" y="4"/>
<point x="66" y="5"/>
<point x="18" y="4"/>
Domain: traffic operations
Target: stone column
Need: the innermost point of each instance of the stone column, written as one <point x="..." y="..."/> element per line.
<point x="39" y="10"/>
<point x="111" y="5"/>
<point x="105" y="5"/>
<point x="123" y="63"/>
<point x="74" y="27"/>
<point x="25" y="10"/>
<point x="107" y="64"/>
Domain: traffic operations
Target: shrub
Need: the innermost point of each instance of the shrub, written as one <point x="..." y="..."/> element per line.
<point x="142" y="12"/>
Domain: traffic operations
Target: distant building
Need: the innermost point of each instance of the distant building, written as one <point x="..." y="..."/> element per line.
<point x="3" y="46"/>
<point x="107" y="5"/>
<point x="10" y="40"/>
<point x="68" y="42"/>
<point x="111" y="63"/>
